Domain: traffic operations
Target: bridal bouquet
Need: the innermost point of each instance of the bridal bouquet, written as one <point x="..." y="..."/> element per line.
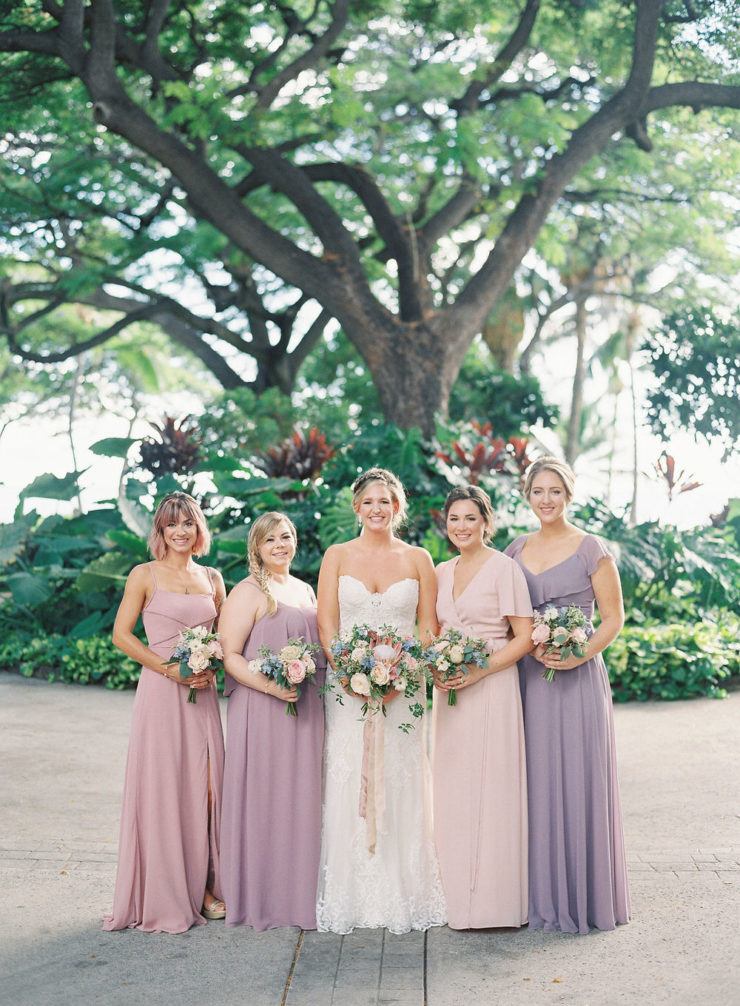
<point x="563" y="630"/>
<point x="372" y="663"/>
<point x="289" y="667"/>
<point x="197" y="651"/>
<point x="450" y="655"/>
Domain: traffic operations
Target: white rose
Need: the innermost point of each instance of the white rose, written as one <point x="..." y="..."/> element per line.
<point x="310" y="665"/>
<point x="290" y="653"/>
<point x="360" y="683"/>
<point x="359" y="653"/>
<point x="380" y="674"/>
<point x="441" y="646"/>
<point x="456" y="654"/>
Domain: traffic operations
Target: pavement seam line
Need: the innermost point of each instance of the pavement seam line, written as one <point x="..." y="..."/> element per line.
<point x="424" y="969"/>
<point x="380" y="969"/>
<point x="336" y="970"/>
<point x="293" y="964"/>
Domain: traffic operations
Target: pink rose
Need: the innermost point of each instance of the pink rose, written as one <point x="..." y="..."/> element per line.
<point x="198" y="662"/>
<point x="214" y="649"/>
<point x="380" y="674"/>
<point x="578" y="635"/>
<point x="295" y="671"/>
<point x="541" y="633"/>
<point x="410" y="663"/>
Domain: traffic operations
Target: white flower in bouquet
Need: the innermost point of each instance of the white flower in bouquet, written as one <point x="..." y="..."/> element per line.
<point x="456" y="654"/>
<point x="550" y="614"/>
<point x="384" y="652"/>
<point x="290" y="653"/>
<point x="360" y="683"/>
<point x="579" y="635"/>
<point x="380" y="674"/>
<point x="254" y="666"/>
<point x="443" y="665"/>
<point x="400" y="684"/>
<point x="358" y="654"/>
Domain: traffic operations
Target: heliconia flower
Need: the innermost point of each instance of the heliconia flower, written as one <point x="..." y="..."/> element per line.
<point x="456" y="654"/>
<point x="360" y="683"/>
<point x="541" y="633"/>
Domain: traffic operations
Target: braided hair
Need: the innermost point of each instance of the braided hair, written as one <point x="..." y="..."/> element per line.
<point x="257" y="534"/>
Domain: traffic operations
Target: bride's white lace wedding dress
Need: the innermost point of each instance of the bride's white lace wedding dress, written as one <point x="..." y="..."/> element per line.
<point x="398" y="886"/>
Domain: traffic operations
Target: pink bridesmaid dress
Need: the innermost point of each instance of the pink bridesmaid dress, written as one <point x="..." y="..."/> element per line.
<point x="479" y="766"/>
<point x="168" y="847"/>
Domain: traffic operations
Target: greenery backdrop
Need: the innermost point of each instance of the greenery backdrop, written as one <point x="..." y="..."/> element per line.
<point x="358" y="232"/>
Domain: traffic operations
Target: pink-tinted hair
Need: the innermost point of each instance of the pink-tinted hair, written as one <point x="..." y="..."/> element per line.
<point x="171" y="508"/>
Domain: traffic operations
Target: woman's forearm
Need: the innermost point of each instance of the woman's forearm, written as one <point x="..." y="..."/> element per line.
<point x="133" y="647"/>
<point x="606" y="633"/>
<point x="238" y="667"/>
<point x="514" y="650"/>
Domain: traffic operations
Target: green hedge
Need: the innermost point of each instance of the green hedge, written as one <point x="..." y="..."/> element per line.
<point x="93" y="659"/>
<point x="679" y="661"/>
<point x="645" y="662"/>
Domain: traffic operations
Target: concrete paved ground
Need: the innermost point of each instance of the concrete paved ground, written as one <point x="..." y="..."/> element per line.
<point x="62" y="753"/>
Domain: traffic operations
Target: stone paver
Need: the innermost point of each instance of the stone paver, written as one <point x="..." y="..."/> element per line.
<point x="62" y="749"/>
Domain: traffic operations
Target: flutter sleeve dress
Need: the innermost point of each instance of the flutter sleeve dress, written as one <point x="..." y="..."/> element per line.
<point x="271" y="820"/>
<point x="169" y="841"/>
<point x="578" y="873"/>
<point x="479" y="772"/>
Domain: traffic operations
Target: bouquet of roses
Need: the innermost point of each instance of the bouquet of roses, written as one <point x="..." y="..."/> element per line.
<point x="563" y="630"/>
<point x="197" y="651"/>
<point x="450" y="654"/>
<point x="372" y="663"/>
<point x="289" y="667"/>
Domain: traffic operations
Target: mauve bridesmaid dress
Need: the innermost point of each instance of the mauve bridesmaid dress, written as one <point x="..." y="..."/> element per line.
<point x="577" y="866"/>
<point x="271" y="819"/>
<point x="169" y="845"/>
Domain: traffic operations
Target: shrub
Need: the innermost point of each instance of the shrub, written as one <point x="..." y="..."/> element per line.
<point x="678" y="661"/>
<point x="84" y="661"/>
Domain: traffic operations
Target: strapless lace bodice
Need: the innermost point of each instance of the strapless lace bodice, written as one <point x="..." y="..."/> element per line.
<point x="398" y="886"/>
<point x="395" y="606"/>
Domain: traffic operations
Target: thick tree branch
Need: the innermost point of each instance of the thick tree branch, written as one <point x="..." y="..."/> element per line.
<point x="694" y="93"/>
<point x="267" y="94"/>
<point x="519" y="38"/>
<point x="17" y="40"/>
<point x="140" y="314"/>
<point x="451" y="214"/>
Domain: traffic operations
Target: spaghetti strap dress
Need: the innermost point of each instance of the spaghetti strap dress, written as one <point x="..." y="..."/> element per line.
<point x="271" y="819"/>
<point x="577" y="863"/>
<point x="169" y="842"/>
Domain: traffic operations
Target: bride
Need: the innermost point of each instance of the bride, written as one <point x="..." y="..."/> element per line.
<point x="386" y="875"/>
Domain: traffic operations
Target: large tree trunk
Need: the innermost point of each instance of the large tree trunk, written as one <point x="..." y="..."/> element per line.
<point x="414" y="373"/>
<point x="573" y="439"/>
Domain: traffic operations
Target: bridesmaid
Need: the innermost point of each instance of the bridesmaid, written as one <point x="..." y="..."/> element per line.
<point x="271" y="821"/>
<point x="168" y="858"/>
<point x="480" y="786"/>
<point x="578" y="875"/>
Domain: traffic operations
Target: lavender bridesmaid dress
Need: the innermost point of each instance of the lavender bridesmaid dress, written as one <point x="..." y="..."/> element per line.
<point x="478" y="765"/>
<point x="169" y="845"/>
<point x="271" y="819"/>
<point x="577" y="868"/>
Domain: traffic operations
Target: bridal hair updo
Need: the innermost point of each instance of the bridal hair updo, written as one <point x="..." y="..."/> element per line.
<point x="549" y="463"/>
<point x="263" y="526"/>
<point x="482" y="501"/>
<point x="392" y="483"/>
<point x="171" y="509"/>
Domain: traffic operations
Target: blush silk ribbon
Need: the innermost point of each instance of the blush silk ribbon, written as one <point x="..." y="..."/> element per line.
<point x="372" y="784"/>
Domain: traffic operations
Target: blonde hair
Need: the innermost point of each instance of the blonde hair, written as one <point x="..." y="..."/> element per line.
<point x="392" y="483"/>
<point x="482" y="501"/>
<point x="549" y="463"/>
<point x="257" y="534"/>
<point x="172" y="507"/>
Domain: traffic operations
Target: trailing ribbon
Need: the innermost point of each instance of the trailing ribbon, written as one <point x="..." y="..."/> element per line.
<point x="372" y="783"/>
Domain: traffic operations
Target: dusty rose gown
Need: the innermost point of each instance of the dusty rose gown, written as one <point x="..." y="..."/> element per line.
<point x="480" y="785"/>
<point x="578" y="872"/>
<point x="271" y="819"/>
<point x="169" y="846"/>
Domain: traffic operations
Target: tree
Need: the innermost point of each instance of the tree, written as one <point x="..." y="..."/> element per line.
<point x="695" y="357"/>
<point x="394" y="136"/>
